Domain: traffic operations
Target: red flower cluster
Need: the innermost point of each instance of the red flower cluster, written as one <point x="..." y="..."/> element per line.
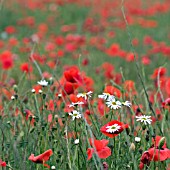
<point x="155" y="153"/>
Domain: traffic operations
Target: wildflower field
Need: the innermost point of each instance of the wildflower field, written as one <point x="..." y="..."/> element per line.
<point x="85" y="84"/>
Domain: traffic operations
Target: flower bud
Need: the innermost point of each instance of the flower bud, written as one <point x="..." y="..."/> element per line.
<point x="132" y="147"/>
<point x="161" y="142"/>
<point x="15" y="87"/>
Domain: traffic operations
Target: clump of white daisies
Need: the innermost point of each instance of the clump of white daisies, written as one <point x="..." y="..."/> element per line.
<point x="75" y="114"/>
<point x="113" y="102"/>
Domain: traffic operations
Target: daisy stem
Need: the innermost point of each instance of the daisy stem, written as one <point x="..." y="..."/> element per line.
<point x="75" y="128"/>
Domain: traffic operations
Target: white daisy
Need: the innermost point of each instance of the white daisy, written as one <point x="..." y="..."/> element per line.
<point x="75" y="104"/>
<point x="104" y="96"/>
<point x="75" y="114"/>
<point x="43" y="83"/>
<point x="113" y="128"/>
<point x="127" y="103"/>
<point x="33" y="90"/>
<point x="53" y="167"/>
<point x="85" y="95"/>
<point x="113" y="104"/>
<point x="12" y="97"/>
<point x="144" y="118"/>
<point x="76" y="141"/>
<point x="137" y="139"/>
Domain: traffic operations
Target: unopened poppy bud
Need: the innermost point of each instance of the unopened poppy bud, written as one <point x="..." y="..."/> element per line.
<point x="128" y="130"/>
<point x="132" y="147"/>
<point x="147" y="138"/>
<point x="105" y="166"/>
<point x="51" y="80"/>
<point x="161" y="142"/>
<point x="44" y="95"/>
<point x="15" y="87"/>
<point x="106" y="115"/>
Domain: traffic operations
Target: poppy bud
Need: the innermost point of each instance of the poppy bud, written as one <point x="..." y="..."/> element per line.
<point x="147" y="138"/>
<point x="132" y="147"/>
<point x="51" y="80"/>
<point x="44" y="95"/>
<point x="15" y="87"/>
<point x="161" y="142"/>
<point x="128" y="130"/>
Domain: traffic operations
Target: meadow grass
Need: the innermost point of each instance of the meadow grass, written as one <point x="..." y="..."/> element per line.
<point x="35" y="118"/>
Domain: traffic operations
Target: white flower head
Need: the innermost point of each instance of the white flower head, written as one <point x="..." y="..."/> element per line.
<point x="76" y="141"/>
<point x="12" y="97"/>
<point x="40" y="91"/>
<point x="127" y="103"/>
<point x="144" y="118"/>
<point x="75" y="104"/>
<point x="85" y="95"/>
<point x="33" y="90"/>
<point x="137" y="139"/>
<point x="43" y="83"/>
<point x="53" y="167"/>
<point x="113" y="128"/>
<point x="75" y="114"/>
<point x="104" y="96"/>
<point x="113" y="104"/>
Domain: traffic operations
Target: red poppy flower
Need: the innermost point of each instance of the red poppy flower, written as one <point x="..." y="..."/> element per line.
<point x="73" y="75"/>
<point x="155" y="153"/>
<point x="2" y="163"/>
<point x="102" y="150"/>
<point x="42" y="158"/>
<point x="161" y="71"/>
<point x="25" y="67"/>
<point x="113" y="128"/>
<point x="113" y="91"/>
<point x="166" y="102"/>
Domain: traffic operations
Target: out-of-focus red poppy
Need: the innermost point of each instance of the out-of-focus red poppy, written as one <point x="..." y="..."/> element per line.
<point x="42" y="158"/>
<point x="2" y="163"/>
<point x="155" y="153"/>
<point x="72" y="75"/>
<point x="113" y="128"/>
<point x="113" y="91"/>
<point x="102" y="150"/>
<point x="10" y="29"/>
<point x="69" y="88"/>
<point x="159" y="71"/>
<point x="26" y="67"/>
<point x="6" y="60"/>
<point x="129" y="87"/>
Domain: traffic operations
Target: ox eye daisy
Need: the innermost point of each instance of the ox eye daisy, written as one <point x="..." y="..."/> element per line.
<point x="127" y="103"/>
<point x="75" y="114"/>
<point x="85" y="95"/>
<point x="113" y="104"/>
<point x="145" y="119"/>
<point x="43" y="83"/>
<point x="75" y="104"/>
<point x="104" y="96"/>
<point x="113" y="128"/>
